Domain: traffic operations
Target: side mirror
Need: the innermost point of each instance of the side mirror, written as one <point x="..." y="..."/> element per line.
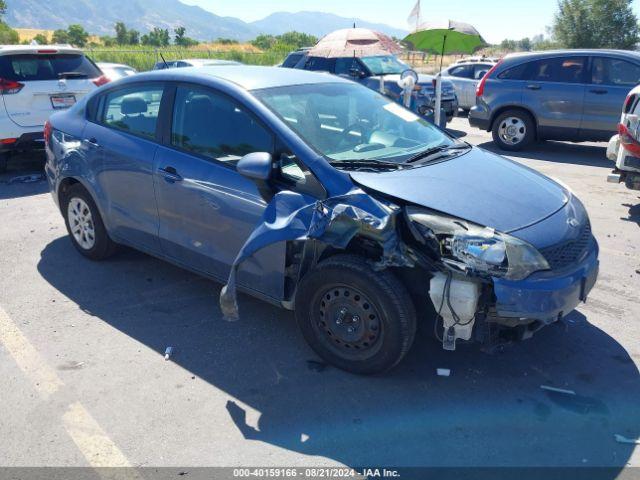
<point x="256" y="165"/>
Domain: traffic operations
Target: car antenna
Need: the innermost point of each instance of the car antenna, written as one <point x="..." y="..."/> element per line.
<point x="166" y="65"/>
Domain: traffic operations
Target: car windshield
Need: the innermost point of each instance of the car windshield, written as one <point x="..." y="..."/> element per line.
<point x="385" y="65"/>
<point x="349" y="122"/>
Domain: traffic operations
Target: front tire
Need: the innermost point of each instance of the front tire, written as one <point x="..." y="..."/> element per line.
<point x="513" y="130"/>
<point x="353" y="317"/>
<point x="84" y="224"/>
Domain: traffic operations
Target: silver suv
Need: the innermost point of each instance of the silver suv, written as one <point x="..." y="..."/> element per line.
<point x="571" y="95"/>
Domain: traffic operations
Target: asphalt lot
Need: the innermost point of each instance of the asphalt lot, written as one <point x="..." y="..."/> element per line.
<point x="83" y="381"/>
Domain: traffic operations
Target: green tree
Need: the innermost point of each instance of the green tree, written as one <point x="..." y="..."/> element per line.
<point x="108" y="41"/>
<point x="181" y="39"/>
<point x="78" y="36"/>
<point x="264" y="42"/>
<point x="158" y="37"/>
<point x="596" y="24"/>
<point x="60" y="36"/>
<point x="133" y="37"/>
<point x="8" y="36"/>
<point x="524" y="44"/>
<point x="297" y="39"/>
<point x="41" y="39"/>
<point x="3" y="7"/>
<point x="122" y="34"/>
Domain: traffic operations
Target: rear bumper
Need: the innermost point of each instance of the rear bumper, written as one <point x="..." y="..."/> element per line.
<point x="26" y="141"/>
<point x="547" y="296"/>
<point x="480" y="117"/>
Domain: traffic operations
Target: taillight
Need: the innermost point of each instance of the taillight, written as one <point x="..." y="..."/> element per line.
<point x="9" y="87"/>
<point x="102" y="80"/>
<point x="629" y="143"/>
<point x="628" y="103"/>
<point x="47" y="132"/>
<point x="8" y="141"/>
<point x="480" y="89"/>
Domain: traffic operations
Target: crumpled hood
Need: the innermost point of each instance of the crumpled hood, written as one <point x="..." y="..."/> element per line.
<point x="477" y="186"/>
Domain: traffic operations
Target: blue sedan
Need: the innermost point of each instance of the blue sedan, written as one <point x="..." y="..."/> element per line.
<point x="324" y="197"/>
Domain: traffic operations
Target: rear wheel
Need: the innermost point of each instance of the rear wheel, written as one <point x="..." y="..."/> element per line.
<point x="85" y="225"/>
<point x="353" y="317"/>
<point x="513" y="130"/>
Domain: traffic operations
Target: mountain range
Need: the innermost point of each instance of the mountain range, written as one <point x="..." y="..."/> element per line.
<point x="99" y="16"/>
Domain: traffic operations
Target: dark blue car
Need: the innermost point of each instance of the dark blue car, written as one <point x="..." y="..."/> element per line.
<point x="321" y="196"/>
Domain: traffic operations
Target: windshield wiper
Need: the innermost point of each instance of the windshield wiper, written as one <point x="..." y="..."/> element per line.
<point x="431" y="152"/>
<point x="369" y="164"/>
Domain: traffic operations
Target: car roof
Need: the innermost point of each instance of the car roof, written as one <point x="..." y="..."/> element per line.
<point x="248" y="77"/>
<point x="212" y="61"/>
<point x="44" y="49"/>
<point x="573" y="52"/>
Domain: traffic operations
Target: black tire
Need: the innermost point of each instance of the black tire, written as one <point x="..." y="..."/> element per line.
<point x="4" y="161"/>
<point x="103" y="247"/>
<point x="378" y="308"/>
<point x="521" y="136"/>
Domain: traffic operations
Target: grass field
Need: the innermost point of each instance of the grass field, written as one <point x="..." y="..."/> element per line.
<point x="143" y="58"/>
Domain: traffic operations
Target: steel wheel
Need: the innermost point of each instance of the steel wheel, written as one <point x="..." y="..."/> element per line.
<point x="512" y="130"/>
<point x="81" y="223"/>
<point x="348" y="322"/>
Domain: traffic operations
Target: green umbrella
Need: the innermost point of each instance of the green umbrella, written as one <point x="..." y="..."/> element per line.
<point x="446" y="38"/>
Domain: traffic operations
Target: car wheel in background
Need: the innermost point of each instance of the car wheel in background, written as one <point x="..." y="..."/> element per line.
<point x="355" y="318"/>
<point x="513" y="130"/>
<point x="85" y="225"/>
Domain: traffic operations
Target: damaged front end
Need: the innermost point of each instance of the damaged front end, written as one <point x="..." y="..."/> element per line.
<point x="470" y="258"/>
<point x="333" y="222"/>
<point x="484" y="285"/>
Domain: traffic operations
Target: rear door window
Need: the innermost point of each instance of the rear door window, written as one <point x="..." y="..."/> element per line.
<point x="213" y="126"/>
<point x="133" y="110"/>
<point x="37" y="67"/>
<point x="614" y="71"/>
<point x="462" y="71"/>
<point x="320" y="64"/>
<point x="480" y="71"/>
<point x="558" y="69"/>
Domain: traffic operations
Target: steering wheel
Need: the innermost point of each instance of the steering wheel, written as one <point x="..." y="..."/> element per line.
<point x="358" y="126"/>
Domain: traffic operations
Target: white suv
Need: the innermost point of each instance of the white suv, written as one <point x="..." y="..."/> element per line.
<point x="624" y="148"/>
<point x="36" y="81"/>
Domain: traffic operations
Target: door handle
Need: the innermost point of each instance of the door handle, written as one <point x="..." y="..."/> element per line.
<point x="599" y="91"/>
<point x="170" y="174"/>
<point x="534" y="87"/>
<point x="92" y="141"/>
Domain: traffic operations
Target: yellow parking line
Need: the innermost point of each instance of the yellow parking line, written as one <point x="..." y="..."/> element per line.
<point x="94" y="443"/>
<point x="28" y="359"/>
<point x="91" y="439"/>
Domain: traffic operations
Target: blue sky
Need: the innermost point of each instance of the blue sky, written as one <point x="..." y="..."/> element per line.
<point x="495" y="19"/>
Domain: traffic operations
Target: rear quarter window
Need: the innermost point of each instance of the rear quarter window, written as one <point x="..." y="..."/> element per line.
<point x="38" y="67"/>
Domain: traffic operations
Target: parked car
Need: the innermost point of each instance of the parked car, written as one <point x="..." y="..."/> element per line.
<point x="624" y="147"/>
<point x="560" y="95"/>
<point x="115" y="71"/>
<point x="465" y="77"/>
<point x="326" y="198"/>
<point x="369" y="70"/>
<point x="193" y="62"/>
<point x="36" y="81"/>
